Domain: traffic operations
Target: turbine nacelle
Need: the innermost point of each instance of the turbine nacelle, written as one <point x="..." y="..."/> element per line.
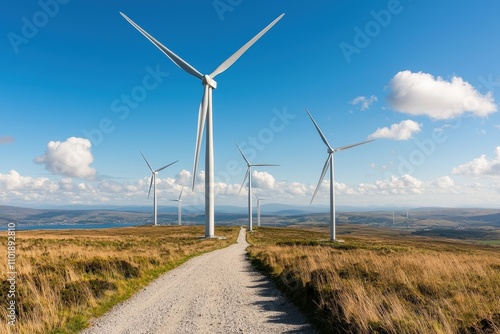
<point x="207" y="80"/>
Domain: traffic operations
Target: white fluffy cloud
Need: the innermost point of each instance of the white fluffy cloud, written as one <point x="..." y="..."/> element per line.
<point x="406" y="184"/>
<point x="364" y="102"/>
<point x="263" y="180"/>
<point x="25" y="188"/>
<point x="423" y="94"/>
<point x="14" y="181"/>
<point x="70" y="158"/>
<point x="184" y="178"/>
<point x="400" y="131"/>
<point x="481" y="166"/>
<point x="444" y="182"/>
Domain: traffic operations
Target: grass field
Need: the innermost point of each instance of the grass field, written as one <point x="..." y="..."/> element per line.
<point x="384" y="281"/>
<point x="67" y="277"/>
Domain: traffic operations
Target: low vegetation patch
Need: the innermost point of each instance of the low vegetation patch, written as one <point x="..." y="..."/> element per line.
<point x="65" y="278"/>
<point x="384" y="284"/>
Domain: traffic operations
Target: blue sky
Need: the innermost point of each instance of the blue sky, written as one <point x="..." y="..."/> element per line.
<point x="82" y="92"/>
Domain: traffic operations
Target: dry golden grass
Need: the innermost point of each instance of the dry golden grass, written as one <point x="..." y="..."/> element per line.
<point x="385" y="284"/>
<point x="64" y="278"/>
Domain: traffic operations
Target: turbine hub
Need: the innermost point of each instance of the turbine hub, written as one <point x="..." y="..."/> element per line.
<point x="209" y="81"/>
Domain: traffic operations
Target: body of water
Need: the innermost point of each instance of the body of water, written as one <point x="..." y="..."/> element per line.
<point x="70" y="226"/>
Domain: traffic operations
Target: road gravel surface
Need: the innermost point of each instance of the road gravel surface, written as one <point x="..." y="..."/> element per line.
<point x="217" y="292"/>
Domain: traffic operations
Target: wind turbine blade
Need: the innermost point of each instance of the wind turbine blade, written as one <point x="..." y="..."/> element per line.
<point x="319" y="130"/>
<point x="230" y="61"/>
<point x="150" y="185"/>
<point x="152" y="171"/>
<point x="173" y="57"/>
<point x="181" y="194"/>
<point x="258" y="199"/>
<point x="246" y="176"/>
<point x="349" y="146"/>
<point x="263" y="165"/>
<point x="202" y="115"/>
<point x="248" y="163"/>
<point x="166" y="166"/>
<point x="325" y="169"/>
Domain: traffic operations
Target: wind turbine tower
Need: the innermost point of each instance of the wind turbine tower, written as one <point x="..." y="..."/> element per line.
<point x="249" y="176"/>
<point x="329" y="163"/>
<point x="205" y="114"/>
<point x="179" y="207"/>
<point x="258" y="208"/>
<point x="153" y="184"/>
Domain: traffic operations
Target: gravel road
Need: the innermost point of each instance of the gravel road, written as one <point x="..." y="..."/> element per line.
<point x="217" y="292"/>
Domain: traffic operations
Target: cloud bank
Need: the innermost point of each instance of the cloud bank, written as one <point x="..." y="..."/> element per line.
<point x="17" y="189"/>
<point x="481" y="166"/>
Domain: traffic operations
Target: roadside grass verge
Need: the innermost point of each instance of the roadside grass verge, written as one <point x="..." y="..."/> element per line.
<point x="383" y="284"/>
<point x="66" y="278"/>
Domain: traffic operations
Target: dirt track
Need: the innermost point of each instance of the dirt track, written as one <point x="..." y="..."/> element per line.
<point x="218" y="292"/>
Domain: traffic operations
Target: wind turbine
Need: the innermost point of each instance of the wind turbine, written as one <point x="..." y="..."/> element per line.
<point x="249" y="175"/>
<point x="258" y="208"/>
<point x="153" y="183"/>
<point x="329" y="163"/>
<point x="205" y="114"/>
<point x="179" y="207"/>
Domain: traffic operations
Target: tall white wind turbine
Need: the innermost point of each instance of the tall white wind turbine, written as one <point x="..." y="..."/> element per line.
<point x="258" y="208"/>
<point x="179" y="207"/>
<point x="329" y="163"/>
<point x="205" y="114"/>
<point x="249" y="176"/>
<point x="153" y="184"/>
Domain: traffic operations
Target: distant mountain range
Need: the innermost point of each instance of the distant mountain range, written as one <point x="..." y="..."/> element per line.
<point x="272" y="213"/>
<point x="268" y="208"/>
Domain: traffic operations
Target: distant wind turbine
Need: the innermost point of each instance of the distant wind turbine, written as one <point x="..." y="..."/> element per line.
<point x="249" y="176"/>
<point x="205" y="114"/>
<point x="153" y="184"/>
<point x="258" y="208"/>
<point x="179" y="207"/>
<point x="329" y="163"/>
